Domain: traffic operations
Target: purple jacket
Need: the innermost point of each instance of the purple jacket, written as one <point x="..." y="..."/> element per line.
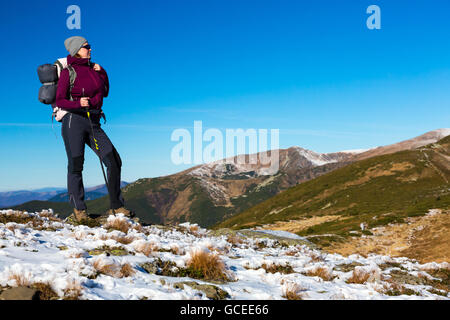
<point x="94" y="83"/>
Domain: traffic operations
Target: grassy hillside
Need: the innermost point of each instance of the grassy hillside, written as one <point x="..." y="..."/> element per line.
<point x="64" y="197"/>
<point x="375" y="191"/>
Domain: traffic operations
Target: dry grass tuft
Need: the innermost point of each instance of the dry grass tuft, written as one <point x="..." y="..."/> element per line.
<point x="45" y="290"/>
<point x="36" y="223"/>
<point x="139" y="228"/>
<point x="175" y="249"/>
<point x="234" y="239"/>
<point x="76" y="255"/>
<point x="32" y="220"/>
<point x="292" y="252"/>
<point x="22" y="280"/>
<point x="120" y="239"/>
<point x="293" y="291"/>
<point x="323" y="272"/>
<point x="193" y="229"/>
<point x="11" y="227"/>
<point x="316" y="257"/>
<point x="107" y="269"/>
<point x="126" y="270"/>
<point x="208" y="266"/>
<point x="113" y="270"/>
<point x="274" y="268"/>
<point x="79" y="235"/>
<point x="361" y="276"/>
<point x="118" y="224"/>
<point x="16" y="217"/>
<point x="73" y="290"/>
<point x="146" y="248"/>
<point x="49" y="215"/>
<point x="396" y="289"/>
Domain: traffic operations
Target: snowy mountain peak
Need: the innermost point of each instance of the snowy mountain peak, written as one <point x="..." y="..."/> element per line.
<point x="316" y="159"/>
<point x="443" y="132"/>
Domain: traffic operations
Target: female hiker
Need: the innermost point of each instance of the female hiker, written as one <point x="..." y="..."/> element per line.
<point x="91" y="85"/>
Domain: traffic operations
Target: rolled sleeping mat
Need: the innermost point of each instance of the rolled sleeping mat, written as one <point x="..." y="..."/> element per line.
<point x="47" y="93"/>
<point x="47" y="73"/>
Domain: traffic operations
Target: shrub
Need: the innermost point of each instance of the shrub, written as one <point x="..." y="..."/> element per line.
<point x="274" y="268"/>
<point x="112" y="269"/>
<point x="104" y="268"/>
<point x="126" y="270"/>
<point x="22" y="280"/>
<point x="72" y="290"/>
<point x="118" y="223"/>
<point x="234" y="239"/>
<point x="323" y="272"/>
<point x="396" y="289"/>
<point x="361" y="275"/>
<point x="45" y="290"/>
<point x="145" y="247"/>
<point x="316" y="257"/>
<point x="16" y="217"/>
<point x="293" y="291"/>
<point x="207" y="265"/>
<point x="120" y="239"/>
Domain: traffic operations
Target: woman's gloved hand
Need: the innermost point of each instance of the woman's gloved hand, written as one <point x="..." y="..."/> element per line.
<point x="84" y="102"/>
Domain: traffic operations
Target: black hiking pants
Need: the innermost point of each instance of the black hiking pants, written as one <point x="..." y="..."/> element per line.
<point x="76" y="132"/>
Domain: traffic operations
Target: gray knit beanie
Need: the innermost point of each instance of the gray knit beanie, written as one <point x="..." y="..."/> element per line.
<point x="73" y="44"/>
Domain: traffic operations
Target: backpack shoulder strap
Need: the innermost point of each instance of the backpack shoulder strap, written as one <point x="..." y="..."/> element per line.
<point x="60" y="64"/>
<point x="72" y="77"/>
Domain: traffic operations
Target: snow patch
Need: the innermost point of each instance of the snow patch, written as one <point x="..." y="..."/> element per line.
<point x="59" y="255"/>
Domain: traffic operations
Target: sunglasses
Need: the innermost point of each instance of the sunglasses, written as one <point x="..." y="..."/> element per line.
<point x="87" y="47"/>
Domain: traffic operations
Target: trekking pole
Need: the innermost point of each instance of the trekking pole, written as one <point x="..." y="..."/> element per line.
<point x="98" y="154"/>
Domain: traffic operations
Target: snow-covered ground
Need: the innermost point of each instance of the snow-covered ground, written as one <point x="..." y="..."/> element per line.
<point x="61" y="254"/>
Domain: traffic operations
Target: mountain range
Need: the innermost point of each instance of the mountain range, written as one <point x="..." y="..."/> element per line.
<point x="390" y="187"/>
<point x="52" y="194"/>
<point x="212" y="193"/>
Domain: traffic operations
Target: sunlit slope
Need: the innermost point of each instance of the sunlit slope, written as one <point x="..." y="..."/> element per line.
<point x="373" y="191"/>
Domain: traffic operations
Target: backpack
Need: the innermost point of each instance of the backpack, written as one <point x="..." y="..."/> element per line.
<point x="49" y="76"/>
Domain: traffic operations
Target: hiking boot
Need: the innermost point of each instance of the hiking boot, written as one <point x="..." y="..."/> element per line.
<point x="80" y="215"/>
<point x="77" y="217"/>
<point x="122" y="210"/>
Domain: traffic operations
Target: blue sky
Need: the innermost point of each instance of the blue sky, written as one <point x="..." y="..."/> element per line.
<point x="311" y="69"/>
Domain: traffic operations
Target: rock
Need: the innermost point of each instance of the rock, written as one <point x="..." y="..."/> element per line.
<point x="211" y="291"/>
<point x="406" y="278"/>
<point x="109" y="251"/>
<point x="118" y="252"/>
<point x="96" y="252"/>
<point x="348" y="267"/>
<point x="260" y="235"/>
<point x="20" y="293"/>
<point x="149" y="267"/>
